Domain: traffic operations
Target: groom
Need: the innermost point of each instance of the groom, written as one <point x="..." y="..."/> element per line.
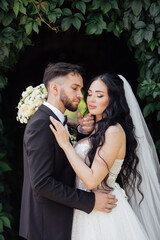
<point x="49" y="195"/>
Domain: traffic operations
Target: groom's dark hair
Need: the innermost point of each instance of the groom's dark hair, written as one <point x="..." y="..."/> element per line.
<point x="59" y="69"/>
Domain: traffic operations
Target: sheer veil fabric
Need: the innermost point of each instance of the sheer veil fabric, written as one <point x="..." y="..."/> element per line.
<point x="148" y="211"/>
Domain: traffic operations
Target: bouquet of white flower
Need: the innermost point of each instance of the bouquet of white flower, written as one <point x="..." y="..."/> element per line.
<point x="30" y="101"/>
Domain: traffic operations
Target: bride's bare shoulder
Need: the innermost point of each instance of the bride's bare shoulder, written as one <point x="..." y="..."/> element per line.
<point x="116" y="129"/>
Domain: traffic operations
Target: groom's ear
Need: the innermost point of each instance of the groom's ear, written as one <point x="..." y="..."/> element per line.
<point x="54" y="88"/>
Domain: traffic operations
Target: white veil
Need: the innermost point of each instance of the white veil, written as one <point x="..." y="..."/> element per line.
<point x="148" y="211"/>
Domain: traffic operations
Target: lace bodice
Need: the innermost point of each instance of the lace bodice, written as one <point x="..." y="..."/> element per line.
<point x="82" y="148"/>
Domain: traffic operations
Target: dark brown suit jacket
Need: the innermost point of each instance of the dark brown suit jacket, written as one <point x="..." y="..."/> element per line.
<point x="48" y="196"/>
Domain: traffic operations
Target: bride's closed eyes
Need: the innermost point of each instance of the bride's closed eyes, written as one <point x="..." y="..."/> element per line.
<point x="98" y="95"/>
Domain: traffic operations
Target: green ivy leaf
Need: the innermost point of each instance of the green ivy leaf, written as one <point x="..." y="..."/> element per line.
<point x="27" y="41"/>
<point x="156" y="94"/>
<point x="147" y="4"/>
<point x="95" y="5"/>
<point x="1" y="226"/>
<point x="148" y="109"/>
<point x="6" y="221"/>
<point x="1" y="15"/>
<point x="76" y="23"/>
<point x="19" y="44"/>
<point x="4" y="5"/>
<point x="52" y="6"/>
<point x="157" y="19"/>
<point x="138" y="36"/>
<point x="60" y="2"/>
<point x="52" y="17"/>
<point x="114" y="4"/>
<point x="99" y="29"/>
<point x="66" y="23"/>
<point x="106" y="7"/>
<point x="23" y="20"/>
<point x="57" y="12"/>
<point x="136" y="7"/>
<point x="1" y="237"/>
<point x="8" y="31"/>
<point x="3" y="83"/>
<point x="151" y="27"/>
<point x="2" y="155"/>
<point x="91" y="28"/>
<point x="8" y="18"/>
<point x="22" y="9"/>
<point x="38" y="21"/>
<point x="66" y="12"/>
<point x="28" y="28"/>
<point x="110" y="27"/>
<point x="154" y="9"/>
<point x="158" y="116"/>
<point x="81" y="6"/>
<point x="139" y="24"/>
<point x="148" y="35"/>
<point x="158" y="106"/>
<point x="127" y="23"/>
<point x="16" y="7"/>
<point x="25" y="2"/>
<point x="4" y="167"/>
<point x="158" y="145"/>
<point x="79" y="15"/>
<point x="116" y="32"/>
<point x="35" y="27"/>
<point x="156" y="68"/>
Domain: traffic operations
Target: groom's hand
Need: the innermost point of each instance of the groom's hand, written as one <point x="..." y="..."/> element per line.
<point x="104" y="201"/>
<point x="86" y="123"/>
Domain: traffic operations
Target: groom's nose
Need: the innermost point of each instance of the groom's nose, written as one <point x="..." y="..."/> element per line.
<point x="79" y="94"/>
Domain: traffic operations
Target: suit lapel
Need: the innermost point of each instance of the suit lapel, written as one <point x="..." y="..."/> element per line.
<point x="48" y="111"/>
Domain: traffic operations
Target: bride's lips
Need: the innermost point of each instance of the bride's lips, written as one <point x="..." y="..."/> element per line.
<point x="91" y="106"/>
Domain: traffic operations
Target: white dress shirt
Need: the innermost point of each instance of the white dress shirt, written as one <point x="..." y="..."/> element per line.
<point x="58" y="113"/>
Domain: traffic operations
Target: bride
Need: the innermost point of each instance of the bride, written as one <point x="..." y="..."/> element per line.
<point x="120" y="144"/>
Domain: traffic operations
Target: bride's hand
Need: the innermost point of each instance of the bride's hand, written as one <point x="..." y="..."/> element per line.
<point x="60" y="132"/>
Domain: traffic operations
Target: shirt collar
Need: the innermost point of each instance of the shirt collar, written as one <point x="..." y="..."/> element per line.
<point x="56" y="111"/>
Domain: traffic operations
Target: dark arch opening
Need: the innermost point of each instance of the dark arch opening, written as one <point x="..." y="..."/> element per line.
<point x="97" y="54"/>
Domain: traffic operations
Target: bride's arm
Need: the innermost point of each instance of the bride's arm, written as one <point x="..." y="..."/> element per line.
<point x="107" y="154"/>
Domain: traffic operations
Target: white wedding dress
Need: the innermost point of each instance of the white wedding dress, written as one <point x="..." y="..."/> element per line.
<point x="120" y="224"/>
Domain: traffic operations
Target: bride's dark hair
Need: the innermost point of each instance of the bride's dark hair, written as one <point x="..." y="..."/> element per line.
<point x="117" y="111"/>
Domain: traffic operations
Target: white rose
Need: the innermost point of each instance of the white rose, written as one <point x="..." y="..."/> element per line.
<point x="35" y="92"/>
<point x="24" y="94"/>
<point x="37" y="102"/>
<point x="28" y="112"/>
<point x="29" y="89"/>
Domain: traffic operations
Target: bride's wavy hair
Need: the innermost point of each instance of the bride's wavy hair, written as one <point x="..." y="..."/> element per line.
<point x="117" y="111"/>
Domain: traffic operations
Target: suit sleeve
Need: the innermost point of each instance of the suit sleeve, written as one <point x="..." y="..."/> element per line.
<point x="81" y="135"/>
<point x="40" y="148"/>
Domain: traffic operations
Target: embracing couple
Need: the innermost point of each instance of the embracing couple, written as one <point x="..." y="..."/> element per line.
<point x="58" y="206"/>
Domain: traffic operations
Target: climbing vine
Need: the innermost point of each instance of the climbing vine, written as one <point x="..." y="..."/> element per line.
<point x="138" y="22"/>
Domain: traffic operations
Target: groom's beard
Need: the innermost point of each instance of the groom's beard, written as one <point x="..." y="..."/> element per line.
<point x="66" y="101"/>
